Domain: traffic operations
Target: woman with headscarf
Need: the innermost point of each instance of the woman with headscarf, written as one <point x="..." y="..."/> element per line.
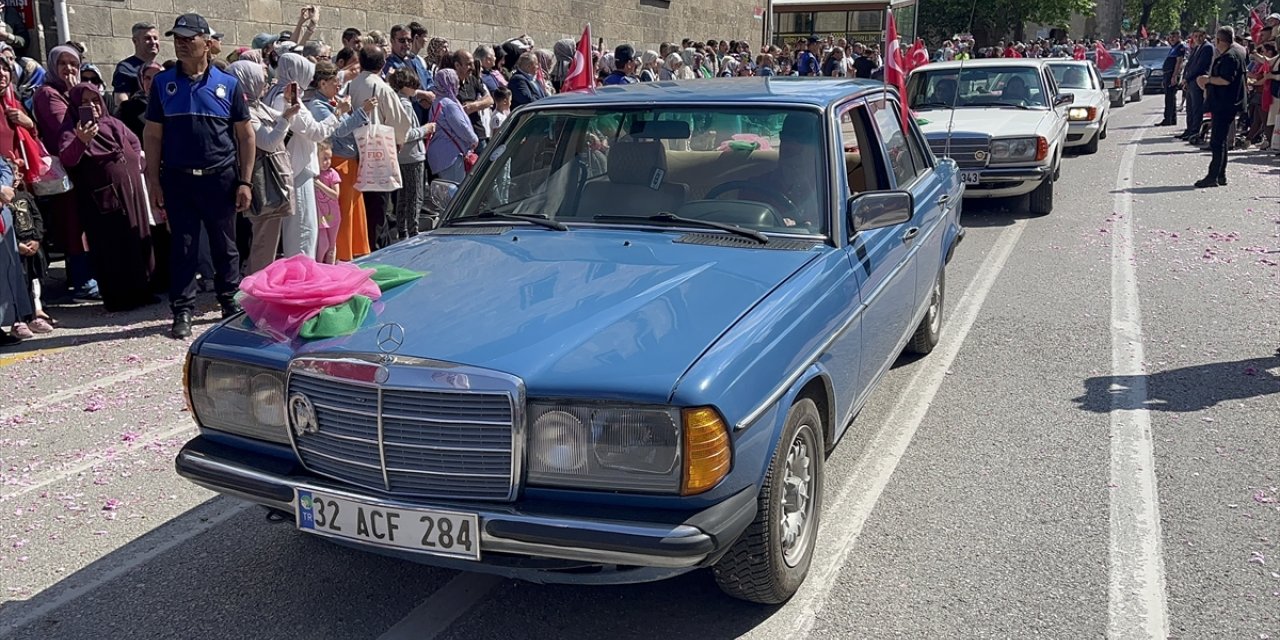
<point x="697" y="62"/>
<point x="51" y="102"/>
<point x="671" y="67"/>
<point x="133" y="112"/>
<point x="728" y="67"/>
<point x="300" y="231"/>
<point x="546" y="60"/>
<point x="437" y="49"/>
<point x="649" y="65"/>
<point x="269" y="130"/>
<point x="353" y="230"/>
<point x="18" y="143"/>
<point x="564" y="50"/>
<point x="105" y="162"/>
<point x="454" y="137"/>
<point x="604" y="67"/>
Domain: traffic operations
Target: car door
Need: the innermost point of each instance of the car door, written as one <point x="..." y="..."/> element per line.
<point x="884" y="255"/>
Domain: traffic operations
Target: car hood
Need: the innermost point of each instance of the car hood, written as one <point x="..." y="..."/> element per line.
<point x="1002" y="123"/>
<point x="589" y="312"/>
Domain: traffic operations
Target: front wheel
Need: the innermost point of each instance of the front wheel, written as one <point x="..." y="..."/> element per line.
<point x="1042" y="198"/>
<point x="1092" y="145"/>
<point x="771" y="559"/>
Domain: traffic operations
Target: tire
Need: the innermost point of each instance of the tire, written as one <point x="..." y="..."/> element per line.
<point x="930" y="329"/>
<point x="1102" y="135"/>
<point x="1137" y="97"/>
<point x="1042" y="198"/>
<point x="757" y="568"/>
<point x="1092" y="145"/>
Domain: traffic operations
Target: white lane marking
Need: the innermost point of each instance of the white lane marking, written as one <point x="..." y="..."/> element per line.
<point x="441" y="608"/>
<point x="59" y="396"/>
<point x="845" y="517"/>
<point x="92" y="460"/>
<point x="120" y="562"/>
<point x="1136" y="586"/>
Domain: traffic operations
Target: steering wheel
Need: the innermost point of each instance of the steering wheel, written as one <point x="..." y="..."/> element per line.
<point x="776" y="200"/>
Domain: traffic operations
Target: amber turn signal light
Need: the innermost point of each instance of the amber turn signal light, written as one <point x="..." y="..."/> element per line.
<point x="707" y="456"/>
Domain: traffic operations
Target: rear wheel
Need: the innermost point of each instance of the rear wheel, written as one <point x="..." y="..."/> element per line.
<point x="1042" y="198"/>
<point x="1137" y="97"/>
<point x="930" y="329"/>
<point x="771" y="559"/>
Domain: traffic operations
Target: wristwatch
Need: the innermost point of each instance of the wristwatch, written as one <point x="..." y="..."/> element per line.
<point x="244" y="183"/>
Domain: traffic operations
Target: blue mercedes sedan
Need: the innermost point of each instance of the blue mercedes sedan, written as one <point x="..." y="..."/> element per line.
<point x="647" y="316"/>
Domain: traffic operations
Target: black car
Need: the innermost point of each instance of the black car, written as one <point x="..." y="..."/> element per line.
<point x="1124" y="79"/>
<point x="1152" y="59"/>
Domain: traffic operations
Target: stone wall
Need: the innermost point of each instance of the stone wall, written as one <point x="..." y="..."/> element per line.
<point x="104" y="24"/>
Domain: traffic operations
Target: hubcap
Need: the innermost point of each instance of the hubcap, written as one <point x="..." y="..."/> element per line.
<point x="935" y="309"/>
<point x="797" y="498"/>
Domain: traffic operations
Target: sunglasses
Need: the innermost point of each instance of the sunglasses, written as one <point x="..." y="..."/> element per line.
<point x="404" y="40"/>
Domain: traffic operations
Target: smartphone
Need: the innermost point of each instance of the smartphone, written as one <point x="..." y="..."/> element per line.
<point x="291" y="93"/>
<point x="87" y="115"/>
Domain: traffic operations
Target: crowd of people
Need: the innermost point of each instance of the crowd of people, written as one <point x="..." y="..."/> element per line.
<point x="186" y="174"/>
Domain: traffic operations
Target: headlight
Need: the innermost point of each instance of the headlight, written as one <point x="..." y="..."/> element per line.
<point x="626" y="448"/>
<point x="238" y="398"/>
<point x="1014" y="150"/>
<point x="1083" y="114"/>
<point x="1156" y="73"/>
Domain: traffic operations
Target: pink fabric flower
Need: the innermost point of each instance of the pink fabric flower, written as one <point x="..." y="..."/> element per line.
<point x="288" y="292"/>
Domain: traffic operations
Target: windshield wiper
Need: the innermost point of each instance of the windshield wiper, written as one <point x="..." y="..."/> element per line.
<point x="532" y="218"/>
<point x="671" y="218"/>
<point x="929" y="105"/>
<point x="1009" y="104"/>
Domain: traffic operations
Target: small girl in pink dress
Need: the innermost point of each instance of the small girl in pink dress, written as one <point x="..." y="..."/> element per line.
<point x="330" y="215"/>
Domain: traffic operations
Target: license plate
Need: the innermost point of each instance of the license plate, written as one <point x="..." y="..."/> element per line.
<point x="430" y="531"/>
<point x="970" y="177"/>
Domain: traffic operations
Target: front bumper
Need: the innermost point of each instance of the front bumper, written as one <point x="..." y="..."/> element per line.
<point x="511" y="535"/>
<point x="1080" y="133"/>
<point x="1007" y="182"/>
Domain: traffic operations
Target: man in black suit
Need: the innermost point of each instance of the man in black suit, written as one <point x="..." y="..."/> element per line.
<point x="524" y="84"/>
<point x="1225" y="99"/>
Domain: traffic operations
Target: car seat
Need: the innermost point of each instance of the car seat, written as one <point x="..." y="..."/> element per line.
<point x="635" y="185"/>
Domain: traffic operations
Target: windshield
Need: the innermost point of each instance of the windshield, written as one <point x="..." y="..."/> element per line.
<point x="977" y="87"/>
<point x="1073" y="76"/>
<point x="760" y="169"/>
<point x="1152" y="57"/>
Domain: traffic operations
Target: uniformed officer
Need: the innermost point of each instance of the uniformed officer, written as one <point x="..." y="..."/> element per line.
<point x="200" y="150"/>
<point x="1224" y="85"/>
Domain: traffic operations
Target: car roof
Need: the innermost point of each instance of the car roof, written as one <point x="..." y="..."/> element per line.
<point x="819" y="92"/>
<point x="1071" y="61"/>
<point x="983" y="62"/>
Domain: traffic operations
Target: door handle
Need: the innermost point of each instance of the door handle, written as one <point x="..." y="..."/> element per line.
<point x="943" y="201"/>
<point x="911" y="234"/>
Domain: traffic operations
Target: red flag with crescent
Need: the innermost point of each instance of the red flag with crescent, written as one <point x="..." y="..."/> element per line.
<point x="581" y="73"/>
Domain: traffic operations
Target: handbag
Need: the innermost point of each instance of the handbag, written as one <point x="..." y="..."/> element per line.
<point x="379" y="164"/>
<point x="272" y="185"/>
<point x="469" y="157"/>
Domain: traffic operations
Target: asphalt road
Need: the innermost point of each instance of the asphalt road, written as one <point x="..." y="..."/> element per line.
<point x="1091" y="452"/>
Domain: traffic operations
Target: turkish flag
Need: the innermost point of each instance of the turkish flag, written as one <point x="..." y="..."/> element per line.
<point x="1105" y="61"/>
<point x="1255" y="25"/>
<point x="894" y="67"/>
<point x="1078" y="53"/>
<point x="581" y="75"/>
<point x="917" y="57"/>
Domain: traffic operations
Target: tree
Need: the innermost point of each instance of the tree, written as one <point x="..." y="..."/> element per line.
<point x="991" y="20"/>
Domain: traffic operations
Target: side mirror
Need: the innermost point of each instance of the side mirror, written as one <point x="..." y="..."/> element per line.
<point x="1064" y="98"/>
<point x="879" y="209"/>
<point x="442" y="193"/>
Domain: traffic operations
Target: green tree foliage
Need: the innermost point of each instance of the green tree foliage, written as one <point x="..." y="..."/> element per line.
<point x="1162" y="16"/>
<point x="993" y="19"/>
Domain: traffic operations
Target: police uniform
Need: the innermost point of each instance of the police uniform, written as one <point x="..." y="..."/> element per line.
<point x="199" y="175"/>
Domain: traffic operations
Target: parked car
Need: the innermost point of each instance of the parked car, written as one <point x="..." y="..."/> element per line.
<point x="1004" y="121"/>
<point x="647" y="316"/>
<point x="1125" y="80"/>
<point x="1088" y="114"/>
<point x="1152" y="60"/>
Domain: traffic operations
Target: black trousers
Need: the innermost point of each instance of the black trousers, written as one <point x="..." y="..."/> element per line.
<point x="380" y="219"/>
<point x="1171" y="104"/>
<point x="1195" y="110"/>
<point x="199" y="206"/>
<point x="1219" y="144"/>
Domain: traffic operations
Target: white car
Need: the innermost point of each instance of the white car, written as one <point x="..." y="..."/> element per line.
<point x="1088" y="114"/>
<point x="1003" y="120"/>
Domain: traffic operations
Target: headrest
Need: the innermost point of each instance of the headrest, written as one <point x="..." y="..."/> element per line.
<point x="637" y="162"/>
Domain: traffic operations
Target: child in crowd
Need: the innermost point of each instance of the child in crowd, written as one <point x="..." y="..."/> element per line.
<point x="501" y="109"/>
<point x="25" y="263"/>
<point x="412" y="156"/>
<point x="328" y="212"/>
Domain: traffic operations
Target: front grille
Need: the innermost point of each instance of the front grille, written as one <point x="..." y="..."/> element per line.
<point x="962" y="149"/>
<point x="438" y="443"/>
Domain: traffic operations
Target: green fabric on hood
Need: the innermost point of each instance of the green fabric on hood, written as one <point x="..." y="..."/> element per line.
<point x="389" y="277"/>
<point x="338" y="320"/>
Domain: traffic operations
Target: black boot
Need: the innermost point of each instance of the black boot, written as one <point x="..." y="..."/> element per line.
<point x="181" y="328"/>
<point x="1207" y="183"/>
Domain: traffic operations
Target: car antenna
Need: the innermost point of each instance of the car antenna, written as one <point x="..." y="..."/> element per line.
<point x="955" y="96"/>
